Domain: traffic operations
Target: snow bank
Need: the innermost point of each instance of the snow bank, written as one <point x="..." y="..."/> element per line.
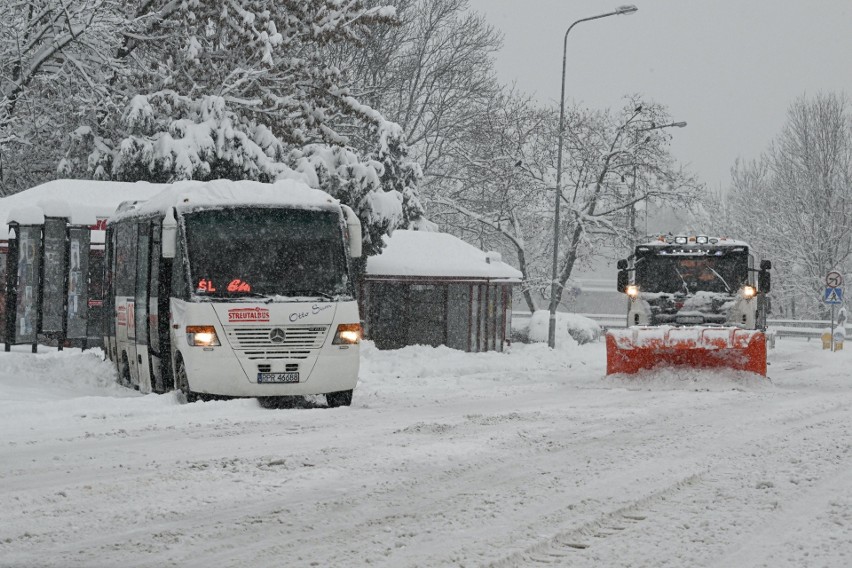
<point x="55" y="375"/>
<point x="571" y="329"/>
<point x="46" y="392"/>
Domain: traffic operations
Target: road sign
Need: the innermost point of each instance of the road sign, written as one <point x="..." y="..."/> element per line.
<point x="834" y="279"/>
<point x="833" y="295"/>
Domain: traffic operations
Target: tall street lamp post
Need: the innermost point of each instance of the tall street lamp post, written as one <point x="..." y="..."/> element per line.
<point x="631" y="213"/>
<point x="554" y="298"/>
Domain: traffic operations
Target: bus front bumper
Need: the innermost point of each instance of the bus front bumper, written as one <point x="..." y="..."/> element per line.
<point x="219" y="371"/>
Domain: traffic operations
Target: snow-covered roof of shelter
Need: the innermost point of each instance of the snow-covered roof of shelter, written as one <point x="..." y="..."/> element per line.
<point x="188" y="195"/>
<point x="428" y="254"/>
<point x="84" y="201"/>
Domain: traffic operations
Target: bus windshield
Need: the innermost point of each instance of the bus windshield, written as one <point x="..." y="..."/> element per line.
<point x="251" y="252"/>
<point x="718" y="271"/>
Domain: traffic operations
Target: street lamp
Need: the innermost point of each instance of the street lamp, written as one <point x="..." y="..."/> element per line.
<point x="679" y="124"/>
<point x="631" y="213"/>
<point x="554" y="299"/>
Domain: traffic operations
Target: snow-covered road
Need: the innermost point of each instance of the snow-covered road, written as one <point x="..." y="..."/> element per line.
<point x="444" y="459"/>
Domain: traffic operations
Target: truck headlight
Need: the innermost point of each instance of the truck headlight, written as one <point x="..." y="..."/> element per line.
<point x="748" y="292"/>
<point x="632" y="290"/>
<point x="202" y="336"/>
<point x="347" y="334"/>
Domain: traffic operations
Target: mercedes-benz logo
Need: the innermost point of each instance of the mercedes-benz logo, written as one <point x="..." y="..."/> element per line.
<point x="276" y="335"/>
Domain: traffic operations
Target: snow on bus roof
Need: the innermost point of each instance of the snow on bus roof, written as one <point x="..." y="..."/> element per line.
<point x="188" y="195"/>
<point x="83" y="201"/>
<point x="425" y="253"/>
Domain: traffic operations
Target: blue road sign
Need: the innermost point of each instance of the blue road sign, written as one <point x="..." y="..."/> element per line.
<point x="833" y="295"/>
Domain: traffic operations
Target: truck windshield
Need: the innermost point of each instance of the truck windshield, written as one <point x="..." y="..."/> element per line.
<point x="250" y="252"/>
<point x="717" y="271"/>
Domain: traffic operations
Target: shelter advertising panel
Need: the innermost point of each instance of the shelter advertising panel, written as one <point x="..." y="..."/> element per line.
<point x="4" y="255"/>
<point x="78" y="284"/>
<point x="53" y="300"/>
<point x="26" y="305"/>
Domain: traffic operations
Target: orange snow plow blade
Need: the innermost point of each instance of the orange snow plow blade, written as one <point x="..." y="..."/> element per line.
<point x="631" y="350"/>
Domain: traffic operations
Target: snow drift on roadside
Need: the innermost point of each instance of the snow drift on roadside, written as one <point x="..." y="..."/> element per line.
<point x="571" y="329"/>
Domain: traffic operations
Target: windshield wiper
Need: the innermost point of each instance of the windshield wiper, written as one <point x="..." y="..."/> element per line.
<point x="309" y="292"/>
<point x="719" y="276"/>
<point x="248" y="295"/>
<point x="233" y="295"/>
<point x="685" y="285"/>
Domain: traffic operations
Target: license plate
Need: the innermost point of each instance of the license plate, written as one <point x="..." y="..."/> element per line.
<point x="278" y="377"/>
<point x="690" y="319"/>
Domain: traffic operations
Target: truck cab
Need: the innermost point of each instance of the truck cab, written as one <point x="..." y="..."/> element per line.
<point x="695" y="280"/>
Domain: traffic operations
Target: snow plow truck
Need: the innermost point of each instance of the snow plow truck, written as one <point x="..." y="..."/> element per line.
<point x="693" y="301"/>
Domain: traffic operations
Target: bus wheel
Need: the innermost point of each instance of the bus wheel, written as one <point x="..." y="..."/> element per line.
<point x="339" y="398"/>
<point x="124" y="372"/>
<point x="182" y="382"/>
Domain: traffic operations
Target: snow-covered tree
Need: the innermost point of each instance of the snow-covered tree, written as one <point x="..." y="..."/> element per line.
<point x="432" y="73"/>
<point x="243" y="90"/>
<point x="612" y="162"/>
<point x="496" y="195"/>
<point x="794" y="203"/>
<point x="54" y="55"/>
<point x="616" y="161"/>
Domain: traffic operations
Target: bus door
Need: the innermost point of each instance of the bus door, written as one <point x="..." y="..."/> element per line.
<point x="159" y="374"/>
<point x="109" y="295"/>
<point x="141" y="366"/>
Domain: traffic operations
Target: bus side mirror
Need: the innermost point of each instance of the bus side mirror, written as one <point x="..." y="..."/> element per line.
<point x="623" y="280"/>
<point x="353" y="229"/>
<point x="622" y="264"/>
<point x="766" y="265"/>
<point x="169" y="239"/>
<point x="763" y="279"/>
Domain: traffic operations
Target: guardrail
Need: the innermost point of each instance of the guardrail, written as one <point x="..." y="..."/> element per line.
<point x="781" y="327"/>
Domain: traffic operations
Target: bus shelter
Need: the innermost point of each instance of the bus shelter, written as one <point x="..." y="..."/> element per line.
<point x="428" y="288"/>
<point x="51" y="259"/>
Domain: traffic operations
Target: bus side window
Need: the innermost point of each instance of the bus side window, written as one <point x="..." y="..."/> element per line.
<point x="154" y="288"/>
<point x="125" y="260"/>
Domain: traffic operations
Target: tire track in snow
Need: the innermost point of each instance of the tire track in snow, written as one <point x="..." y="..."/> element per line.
<point x="504" y="476"/>
<point x="757" y="528"/>
<point x="394" y="503"/>
<point x="558" y="547"/>
<point x="778" y="542"/>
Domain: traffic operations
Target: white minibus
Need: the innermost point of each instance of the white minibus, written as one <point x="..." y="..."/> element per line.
<point x="234" y="289"/>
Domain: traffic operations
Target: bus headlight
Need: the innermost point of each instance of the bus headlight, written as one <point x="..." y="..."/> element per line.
<point x="632" y="290"/>
<point x="347" y="334"/>
<point x="202" y="336"/>
<point x="748" y="292"/>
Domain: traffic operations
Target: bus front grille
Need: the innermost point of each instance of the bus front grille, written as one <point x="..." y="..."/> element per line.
<point x="276" y="342"/>
<point x="270" y="354"/>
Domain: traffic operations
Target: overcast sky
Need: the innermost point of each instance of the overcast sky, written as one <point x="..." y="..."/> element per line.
<point x="729" y="68"/>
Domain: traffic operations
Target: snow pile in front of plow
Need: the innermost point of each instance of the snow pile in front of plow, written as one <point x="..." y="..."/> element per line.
<point x="690" y="379"/>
